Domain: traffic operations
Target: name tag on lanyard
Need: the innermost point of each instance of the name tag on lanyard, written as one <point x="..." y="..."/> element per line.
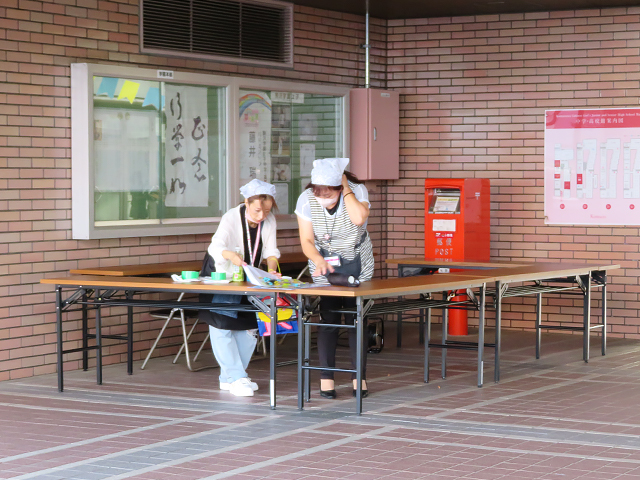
<point x="333" y="260"/>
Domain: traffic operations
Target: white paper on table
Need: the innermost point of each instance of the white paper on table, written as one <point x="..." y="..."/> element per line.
<point x="256" y="276"/>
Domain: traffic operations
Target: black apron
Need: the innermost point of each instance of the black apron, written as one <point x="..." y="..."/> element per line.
<point x="245" y="320"/>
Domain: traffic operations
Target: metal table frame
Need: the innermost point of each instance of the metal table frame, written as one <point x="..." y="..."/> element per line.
<point x="96" y="297"/>
<point x="365" y="306"/>
<point x="579" y="284"/>
<point x="97" y="292"/>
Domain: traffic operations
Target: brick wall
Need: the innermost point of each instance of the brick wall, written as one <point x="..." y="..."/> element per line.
<point x="473" y="95"/>
<point x="38" y="42"/>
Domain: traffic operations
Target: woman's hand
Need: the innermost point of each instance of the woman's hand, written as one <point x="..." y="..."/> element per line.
<point x="345" y="183"/>
<point x="322" y="268"/>
<point x="237" y="260"/>
<point x="272" y="266"/>
<point x="358" y="211"/>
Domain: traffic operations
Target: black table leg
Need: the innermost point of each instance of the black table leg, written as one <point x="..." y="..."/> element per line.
<point x="421" y="323"/>
<point x="481" y="322"/>
<point x="496" y="371"/>
<point x="129" y="296"/>
<point x="604" y="313"/>
<point x="399" y="330"/>
<point x="359" y="354"/>
<point x="59" y="336"/>
<point x="427" y="339"/>
<point x="300" y="352"/>
<point x="85" y="332"/>
<point x="98" y="339"/>
<point x="307" y="361"/>
<point x="538" y="324"/>
<point x="445" y="327"/>
<point x="586" y="281"/>
<point x="272" y="354"/>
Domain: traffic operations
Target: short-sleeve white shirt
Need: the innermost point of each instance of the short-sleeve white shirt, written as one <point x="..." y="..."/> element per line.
<point x="303" y="209"/>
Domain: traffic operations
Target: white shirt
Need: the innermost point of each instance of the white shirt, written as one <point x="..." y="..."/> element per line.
<point x="229" y="236"/>
<point x="303" y="209"/>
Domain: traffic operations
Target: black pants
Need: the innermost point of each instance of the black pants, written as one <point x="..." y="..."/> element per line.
<point x="328" y="336"/>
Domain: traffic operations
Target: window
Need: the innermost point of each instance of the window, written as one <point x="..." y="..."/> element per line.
<point x="157" y="150"/>
<point x="281" y="133"/>
<point x="161" y="153"/>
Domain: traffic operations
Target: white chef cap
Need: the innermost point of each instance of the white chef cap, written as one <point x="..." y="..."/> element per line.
<point x="328" y="171"/>
<point x="257" y="187"/>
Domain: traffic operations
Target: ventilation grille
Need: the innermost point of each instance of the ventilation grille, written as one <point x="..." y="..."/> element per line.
<point x="228" y="30"/>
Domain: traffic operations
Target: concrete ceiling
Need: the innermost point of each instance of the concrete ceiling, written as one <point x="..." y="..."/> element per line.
<point x="398" y="9"/>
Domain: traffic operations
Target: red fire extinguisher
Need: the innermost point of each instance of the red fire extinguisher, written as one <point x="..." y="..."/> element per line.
<point x="458" y="317"/>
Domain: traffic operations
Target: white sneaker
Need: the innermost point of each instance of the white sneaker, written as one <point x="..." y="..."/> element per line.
<point x="254" y="385"/>
<point x="225" y="386"/>
<point x="241" y="388"/>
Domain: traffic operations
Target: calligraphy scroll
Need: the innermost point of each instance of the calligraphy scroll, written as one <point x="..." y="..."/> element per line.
<point x="186" y="146"/>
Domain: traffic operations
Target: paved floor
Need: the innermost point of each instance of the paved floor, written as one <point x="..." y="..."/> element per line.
<point x="555" y="418"/>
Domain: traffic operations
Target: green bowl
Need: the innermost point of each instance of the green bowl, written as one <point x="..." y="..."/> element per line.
<point x="190" y="275"/>
<point x="218" y="276"/>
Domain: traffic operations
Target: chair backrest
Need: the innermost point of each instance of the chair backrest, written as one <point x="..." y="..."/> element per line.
<point x="208" y="265"/>
<point x="303" y="272"/>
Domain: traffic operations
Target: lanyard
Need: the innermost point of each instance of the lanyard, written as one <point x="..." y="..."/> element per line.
<point x="252" y="252"/>
<point x="329" y="235"/>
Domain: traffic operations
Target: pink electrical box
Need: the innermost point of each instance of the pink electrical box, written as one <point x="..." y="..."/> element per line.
<point x="374" y="118"/>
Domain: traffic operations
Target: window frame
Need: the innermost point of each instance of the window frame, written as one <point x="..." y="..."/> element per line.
<point x="82" y="161"/>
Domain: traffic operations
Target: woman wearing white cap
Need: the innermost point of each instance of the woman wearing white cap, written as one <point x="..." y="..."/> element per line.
<point x="332" y="219"/>
<point x="251" y="228"/>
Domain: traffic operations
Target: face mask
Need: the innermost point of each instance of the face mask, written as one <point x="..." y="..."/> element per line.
<point x="326" y="202"/>
<point x="247" y="214"/>
<point x="250" y="218"/>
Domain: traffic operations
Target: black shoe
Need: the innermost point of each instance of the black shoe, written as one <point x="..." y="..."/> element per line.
<point x="328" y="394"/>
<point x="365" y="393"/>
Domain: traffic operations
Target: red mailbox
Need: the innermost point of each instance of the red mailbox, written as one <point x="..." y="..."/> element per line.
<point x="456" y="225"/>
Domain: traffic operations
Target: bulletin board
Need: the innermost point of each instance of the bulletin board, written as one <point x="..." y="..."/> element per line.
<point x="592" y="167"/>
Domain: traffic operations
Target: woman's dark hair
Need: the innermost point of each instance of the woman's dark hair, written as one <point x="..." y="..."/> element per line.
<point x="319" y="189"/>
<point x="263" y="198"/>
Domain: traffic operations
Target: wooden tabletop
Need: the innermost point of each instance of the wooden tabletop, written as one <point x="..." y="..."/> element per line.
<point x="371" y="289"/>
<point x="144" y="269"/>
<point x="546" y="271"/>
<point x="471" y="265"/>
<point x="391" y="287"/>
<point x="292" y="259"/>
<point x="441" y="263"/>
<point x="151" y="283"/>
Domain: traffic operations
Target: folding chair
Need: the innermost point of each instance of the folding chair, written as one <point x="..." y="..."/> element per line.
<point x="185" y="336"/>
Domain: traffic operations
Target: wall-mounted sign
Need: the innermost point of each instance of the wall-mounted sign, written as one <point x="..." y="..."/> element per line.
<point x="592" y="167"/>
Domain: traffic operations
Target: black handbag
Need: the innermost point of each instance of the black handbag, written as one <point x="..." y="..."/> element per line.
<point x="347" y="267"/>
<point x="342" y="280"/>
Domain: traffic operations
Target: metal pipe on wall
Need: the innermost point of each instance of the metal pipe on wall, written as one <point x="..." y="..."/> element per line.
<point x="366" y="45"/>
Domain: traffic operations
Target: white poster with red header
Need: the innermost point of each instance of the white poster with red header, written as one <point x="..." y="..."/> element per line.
<point x="592" y="167"/>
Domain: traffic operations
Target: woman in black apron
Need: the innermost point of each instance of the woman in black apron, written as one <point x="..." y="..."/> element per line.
<point x="332" y="219"/>
<point x="246" y="234"/>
